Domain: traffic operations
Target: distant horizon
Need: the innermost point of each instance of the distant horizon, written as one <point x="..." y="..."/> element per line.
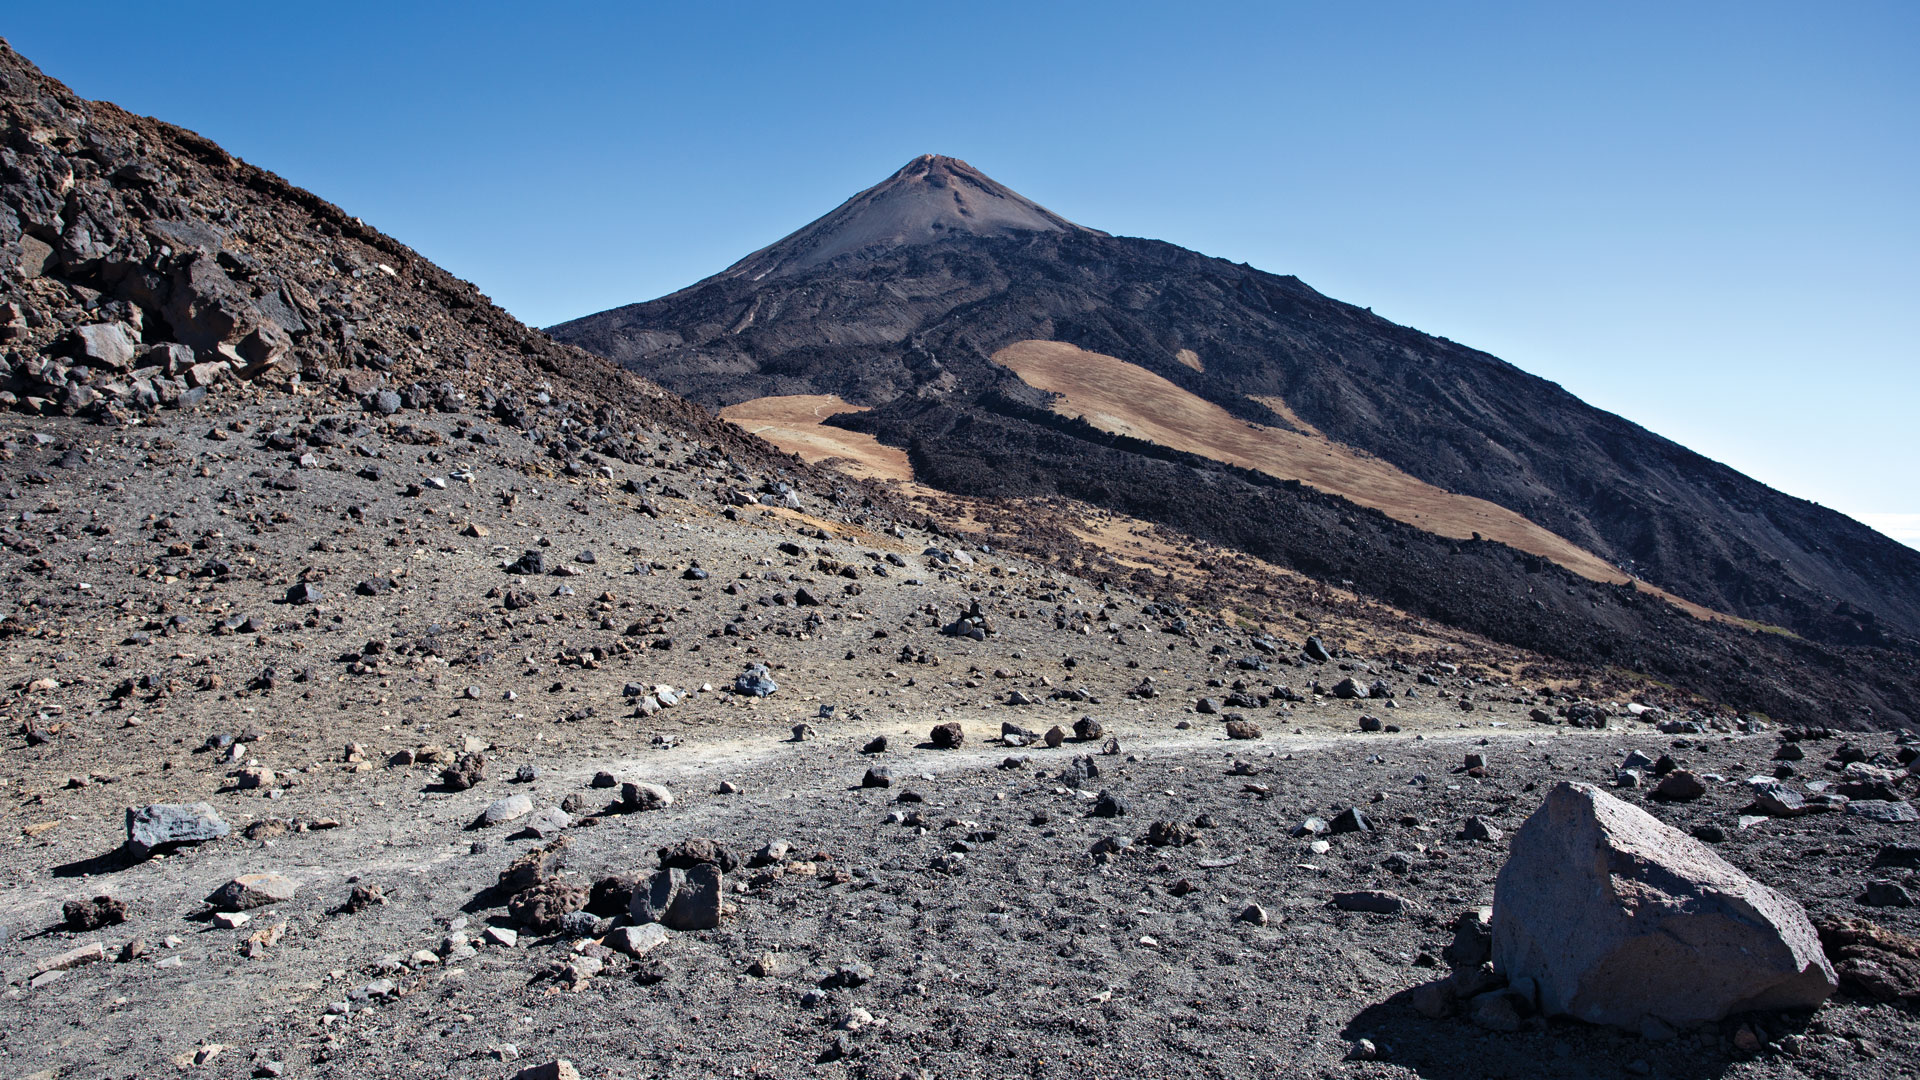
<point x="1702" y="220"/>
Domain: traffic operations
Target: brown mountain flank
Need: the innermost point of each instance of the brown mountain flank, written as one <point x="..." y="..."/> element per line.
<point x="1126" y="399"/>
<point x="793" y="422"/>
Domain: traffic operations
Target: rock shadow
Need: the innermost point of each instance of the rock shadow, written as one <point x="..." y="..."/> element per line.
<point x="1454" y="1048"/>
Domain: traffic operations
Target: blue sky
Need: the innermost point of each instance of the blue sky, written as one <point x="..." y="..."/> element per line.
<point x="1702" y="216"/>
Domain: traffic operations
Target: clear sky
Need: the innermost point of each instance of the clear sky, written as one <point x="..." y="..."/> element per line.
<point x="1702" y="216"/>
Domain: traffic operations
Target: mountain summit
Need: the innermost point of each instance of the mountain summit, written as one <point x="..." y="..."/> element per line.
<point x="930" y="198"/>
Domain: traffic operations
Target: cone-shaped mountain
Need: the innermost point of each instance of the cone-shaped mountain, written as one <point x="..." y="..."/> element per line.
<point x="921" y="300"/>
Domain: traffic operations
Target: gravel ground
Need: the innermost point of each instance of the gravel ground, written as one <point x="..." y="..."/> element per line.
<point x="1029" y="954"/>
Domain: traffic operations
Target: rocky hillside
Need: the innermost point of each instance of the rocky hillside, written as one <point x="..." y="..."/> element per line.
<point x="145" y="270"/>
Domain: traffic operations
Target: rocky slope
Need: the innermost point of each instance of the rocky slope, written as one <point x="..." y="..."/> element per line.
<point x="912" y="329"/>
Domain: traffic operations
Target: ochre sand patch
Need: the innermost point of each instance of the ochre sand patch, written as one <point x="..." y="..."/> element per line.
<point x="793" y="422"/>
<point x="1123" y="398"/>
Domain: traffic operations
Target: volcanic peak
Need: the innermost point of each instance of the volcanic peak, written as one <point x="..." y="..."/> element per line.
<point x="928" y="199"/>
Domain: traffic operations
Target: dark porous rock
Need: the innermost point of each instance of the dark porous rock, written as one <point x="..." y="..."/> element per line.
<point x="1621" y="920"/>
<point x="877" y="745"/>
<point x="84" y="915"/>
<point x="541" y="907"/>
<point x="678" y="899"/>
<point x="1369" y="722"/>
<point x="1086" y="729"/>
<point x="1680" y="785"/>
<point x="879" y="776"/>
<point x="949" y="736"/>
<point x="694" y="852"/>
<point x="160" y="826"/>
<point x="605" y="779"/>
<point x="1079" y="771"/>
<point x="1873" y="963"/>
<point x="466" y="772"/>
<point x="1109" y="805"/>
<point x="1347" y="689"/>
<point x="1170" y="834"/>
<point x="533" y="866"/>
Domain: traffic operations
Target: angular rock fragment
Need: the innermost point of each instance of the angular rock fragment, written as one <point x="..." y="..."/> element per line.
<point x="1886" y="811"/>
<point x="1622" y="920"/>
<point x="163" y="825"/>
<point x="251" y="891"/>
<point x="755" y="681"/>
<point x="679" y="899"/>
<point x="635" y="797"/>
<point x="1370" y="900"/>
<point x="504" y="810"/>
<point x="637" y="941"/>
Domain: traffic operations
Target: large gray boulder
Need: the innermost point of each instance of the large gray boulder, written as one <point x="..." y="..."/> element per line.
<point x="1619" y="919"/>
<point x="163" y="825"/>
